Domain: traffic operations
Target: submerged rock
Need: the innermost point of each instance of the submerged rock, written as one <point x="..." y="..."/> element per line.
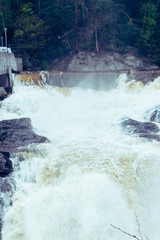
<point x="7" y="187"/>
<point x="153" y="114"/>
<point x="141" y="129"/>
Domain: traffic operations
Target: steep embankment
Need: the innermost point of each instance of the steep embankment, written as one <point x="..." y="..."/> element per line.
<point x="90" y="61"/>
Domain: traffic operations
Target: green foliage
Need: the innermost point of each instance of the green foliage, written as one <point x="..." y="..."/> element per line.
<point x="44" y="30"/>
<point x="87" y="45"/>
<point x="30" y="27"/>
<point x="148" y="21"/>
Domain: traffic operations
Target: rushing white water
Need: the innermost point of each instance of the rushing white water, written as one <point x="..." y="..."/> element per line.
<point x="91" y="174"/>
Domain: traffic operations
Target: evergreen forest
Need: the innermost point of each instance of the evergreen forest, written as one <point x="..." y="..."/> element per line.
<point x="41" y="30"/>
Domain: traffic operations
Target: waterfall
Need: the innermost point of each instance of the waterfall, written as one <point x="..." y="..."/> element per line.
<point x="90" y="175"/>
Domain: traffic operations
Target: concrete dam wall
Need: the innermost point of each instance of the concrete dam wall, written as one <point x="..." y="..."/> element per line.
<point x="95" y="80"/>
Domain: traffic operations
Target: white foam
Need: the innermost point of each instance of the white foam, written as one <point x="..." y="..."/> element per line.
<point x="90" y="175"/>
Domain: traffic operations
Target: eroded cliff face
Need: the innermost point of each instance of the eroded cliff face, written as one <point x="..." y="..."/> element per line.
<point x="88" y="61"/>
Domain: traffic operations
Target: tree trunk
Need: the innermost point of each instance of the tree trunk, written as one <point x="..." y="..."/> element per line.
<point x="76" y="26"/>
<point x="97" y="45"/>
<point x="39" y="7"/>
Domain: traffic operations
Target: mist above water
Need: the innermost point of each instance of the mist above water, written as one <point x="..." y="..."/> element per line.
<point x="90" y="175"/>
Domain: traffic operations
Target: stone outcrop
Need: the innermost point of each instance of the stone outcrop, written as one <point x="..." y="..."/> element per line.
<point x="106" y="61"/>
<point x="17" y="133"/>
<point x="141" y="129"/>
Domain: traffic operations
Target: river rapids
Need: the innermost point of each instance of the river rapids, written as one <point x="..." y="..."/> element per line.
<point x="91" y="181"/>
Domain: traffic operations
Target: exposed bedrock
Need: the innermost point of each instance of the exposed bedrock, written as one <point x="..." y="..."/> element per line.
<point x="105" y="61"/>
<point x="16" y="133"/>
<point x="147" y="130"/>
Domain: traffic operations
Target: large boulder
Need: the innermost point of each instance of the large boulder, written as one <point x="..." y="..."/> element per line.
<point x="141" y="129"/>
<point x="17" y="133"/>
<point x="133" y="126"/>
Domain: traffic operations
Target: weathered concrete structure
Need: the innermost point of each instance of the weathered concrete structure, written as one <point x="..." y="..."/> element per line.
<point x="7" y="63"/>
<point x="102" y="80"/>
<point x="7" y="59"/>
<point x="19" y="63"/>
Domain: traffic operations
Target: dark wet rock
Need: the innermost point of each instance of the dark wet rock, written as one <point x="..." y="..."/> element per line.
<point x="5" y="87"/>
<point x="0" y="229"/>
<point x="150" y="136"/>
<point x="6" y="154"/>
<point x="17" y="133"/>
<point x="135" y="127"/>
<point x="141" y="129"/>
<point x="153" y="114"/>
<point x="7" y="187"/>
<point x="4" y="80"/>
<point x="3" y="93"/>
<point x="14" y="133"/>
<point x="1" y="202"/>
<point x="5" y="166"/>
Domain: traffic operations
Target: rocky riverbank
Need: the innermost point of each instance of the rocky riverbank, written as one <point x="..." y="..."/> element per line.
<point x="105" y="61"/>
<point x="14" y="133"/>
<point x="101" y="71"/>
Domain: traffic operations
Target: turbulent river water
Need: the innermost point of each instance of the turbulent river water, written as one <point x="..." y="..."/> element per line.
<point x="90" y="175"/>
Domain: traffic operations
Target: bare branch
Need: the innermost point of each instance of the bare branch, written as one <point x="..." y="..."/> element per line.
<point x="133" y="236"/>
<point x="130" y="19"/>
<point x="2" y="19"/>
<point x="139" y="228"/>
<point x="147" y="238"/>
<point x="65" y="34"/>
